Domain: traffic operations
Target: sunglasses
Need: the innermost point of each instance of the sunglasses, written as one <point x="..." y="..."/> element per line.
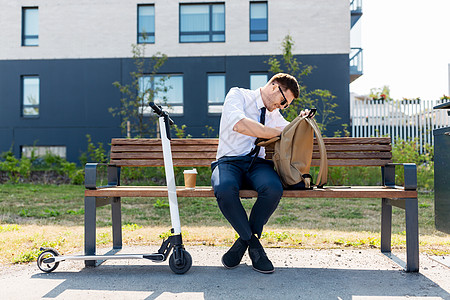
<point x="284" y="103"/>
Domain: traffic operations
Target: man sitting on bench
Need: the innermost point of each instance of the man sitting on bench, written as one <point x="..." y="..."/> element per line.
<point x="240" y="164"/>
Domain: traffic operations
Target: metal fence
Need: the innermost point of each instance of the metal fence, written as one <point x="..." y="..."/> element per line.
<point x="399" y="119"/>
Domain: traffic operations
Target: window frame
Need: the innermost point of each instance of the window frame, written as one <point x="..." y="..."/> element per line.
<point x="210" y="31"/>
<point x="257" y="74"/>
<point x="41" y="150"/>
<point x="24" y="36"/>
<point x="250" y="22"/>
<point x="213" y="104"/>
<point x="151" y="34"/>
<point x="22" y="101"/>
<point x="176" y="109"/>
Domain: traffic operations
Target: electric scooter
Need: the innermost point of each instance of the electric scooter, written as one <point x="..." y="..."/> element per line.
<point x="180" y="261"/>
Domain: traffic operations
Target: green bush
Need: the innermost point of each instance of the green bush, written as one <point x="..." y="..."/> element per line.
<point x="75" y="174"/>
<point x="14" y="167"/>
<point x="95" y="153"/>
<point x="406" y="151"/>
<point x="22" y="168"/>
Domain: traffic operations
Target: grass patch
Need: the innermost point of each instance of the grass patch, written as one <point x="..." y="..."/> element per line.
<point x="23" y="245"/>
<point x="64" y="205"/>
<point x="32" y="216"/>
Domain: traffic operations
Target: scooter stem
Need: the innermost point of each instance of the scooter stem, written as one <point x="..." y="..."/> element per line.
<point x="170" y="176"/>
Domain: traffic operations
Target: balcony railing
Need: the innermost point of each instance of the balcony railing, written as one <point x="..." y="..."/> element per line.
<point x="356" y="6"/>
<point x="356" y="11"/>
<point x="356" y="63"/>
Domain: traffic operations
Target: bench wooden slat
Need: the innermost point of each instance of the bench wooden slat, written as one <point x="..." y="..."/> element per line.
<point x="346" y="140"/>
<point x="359" y="155"/>
<point x="160" y="163"/>
<point x="215" y="141"/>
<point x="156" y="155"/>
<point x="207" y="163"/>
<point x="201" y="148"/>
<point x="173" y="142"/>
<point x="328" y="192"/>
<point x="354" y="147"/>
<point x="353" y="162"/>
<point x="158" y="148"/>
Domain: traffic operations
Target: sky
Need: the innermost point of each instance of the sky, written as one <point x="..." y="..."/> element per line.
<point x="406" y="45"/>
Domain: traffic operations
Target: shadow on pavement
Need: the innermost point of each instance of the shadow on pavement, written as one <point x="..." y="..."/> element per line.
<point x="213" y="282"/>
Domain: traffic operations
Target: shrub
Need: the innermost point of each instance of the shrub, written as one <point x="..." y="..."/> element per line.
<point x="22" y="168"/>
<point x="95" y="153"/>
<point x="406" y="151"/>
<point x="14" y="167"/>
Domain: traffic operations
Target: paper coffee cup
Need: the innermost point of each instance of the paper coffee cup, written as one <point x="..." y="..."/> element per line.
<point x="190" y="177"/>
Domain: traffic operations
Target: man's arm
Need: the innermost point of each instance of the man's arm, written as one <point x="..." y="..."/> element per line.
<point x="252" y="128"/>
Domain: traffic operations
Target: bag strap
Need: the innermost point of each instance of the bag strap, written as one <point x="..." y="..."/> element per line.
<point x="322" y="177"/>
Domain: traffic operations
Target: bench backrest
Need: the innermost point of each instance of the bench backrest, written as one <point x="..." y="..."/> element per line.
<point x="201" y="152"/>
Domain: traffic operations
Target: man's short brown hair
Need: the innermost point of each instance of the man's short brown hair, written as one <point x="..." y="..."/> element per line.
<point x="287" y="82"/>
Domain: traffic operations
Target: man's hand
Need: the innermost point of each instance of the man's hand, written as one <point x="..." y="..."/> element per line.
<point x="306" y="112"/>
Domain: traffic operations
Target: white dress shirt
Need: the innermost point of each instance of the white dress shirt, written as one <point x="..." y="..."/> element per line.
<point x="242" y="103"/>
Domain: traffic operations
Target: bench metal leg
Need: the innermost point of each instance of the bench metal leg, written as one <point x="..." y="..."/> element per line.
<point x="89" y="228"/>
<point x="412" y="235"/>
<point x="116" y="223"/>
<point x="386" y="225"/>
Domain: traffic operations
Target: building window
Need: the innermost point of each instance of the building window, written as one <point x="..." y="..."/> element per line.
<point x="168" y="92"/>
<point x="30" y="96"/>
<point x="257" y="81"/>
<point x="30" y="26"/>
<point x="202" y="23"/>
<point x="216" y="93"/>
<point x="146" y="24"/>
<point x="258" y="21"/>
<point x="40" y="151"/>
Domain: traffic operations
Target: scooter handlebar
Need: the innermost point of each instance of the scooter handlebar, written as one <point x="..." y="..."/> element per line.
<point x="158" y="110"/>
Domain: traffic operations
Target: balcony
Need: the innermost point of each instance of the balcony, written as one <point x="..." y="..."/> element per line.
<point x="356" y="11"/>
<point x="356" y="63"/>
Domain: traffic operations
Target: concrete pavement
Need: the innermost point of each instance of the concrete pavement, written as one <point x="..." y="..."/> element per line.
<point x="299" y="274"/>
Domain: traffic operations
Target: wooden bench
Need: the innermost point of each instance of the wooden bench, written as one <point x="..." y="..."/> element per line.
<point x="201" y="152"/>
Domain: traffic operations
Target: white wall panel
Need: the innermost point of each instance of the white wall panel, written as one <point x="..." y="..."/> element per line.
<point x="106" y="29"/>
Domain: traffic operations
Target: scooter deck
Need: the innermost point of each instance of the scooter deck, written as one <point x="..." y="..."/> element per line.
<point x="153" y="256"/>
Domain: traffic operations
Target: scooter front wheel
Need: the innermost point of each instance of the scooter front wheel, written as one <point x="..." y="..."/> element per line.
<point x="184" y="265"/>
<point x="46" y="266"/>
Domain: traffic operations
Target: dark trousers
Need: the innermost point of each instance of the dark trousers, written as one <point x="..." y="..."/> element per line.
<point x="230" y="174"/>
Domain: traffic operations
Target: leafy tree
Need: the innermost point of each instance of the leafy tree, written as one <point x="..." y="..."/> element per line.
<point x="322" y="100"/>
<point x="137" y="94"/>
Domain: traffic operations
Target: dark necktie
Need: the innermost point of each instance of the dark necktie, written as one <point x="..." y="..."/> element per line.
<point x="255" y="151"/>
<point x="262" y="116"/>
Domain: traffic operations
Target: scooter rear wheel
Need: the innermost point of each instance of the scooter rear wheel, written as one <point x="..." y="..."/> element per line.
<point x="185" y="264"/>
<point x="47" y="267"/>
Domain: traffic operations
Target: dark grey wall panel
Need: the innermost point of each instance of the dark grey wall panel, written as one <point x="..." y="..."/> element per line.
<point x="75" y="95"/>
<point x="6" y="139"/>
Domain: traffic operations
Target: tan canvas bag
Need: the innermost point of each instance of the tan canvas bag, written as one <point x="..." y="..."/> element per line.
<point x="293" y="152"/>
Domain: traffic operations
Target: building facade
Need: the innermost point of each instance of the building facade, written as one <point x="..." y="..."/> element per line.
<point x="58" y="60"/>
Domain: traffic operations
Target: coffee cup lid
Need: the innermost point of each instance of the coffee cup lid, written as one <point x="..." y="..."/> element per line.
<point x="193" y="171"/>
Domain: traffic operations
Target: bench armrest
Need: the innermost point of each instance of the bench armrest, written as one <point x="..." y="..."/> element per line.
<point x="410" y="172"/>
<point x="90" y="175"/>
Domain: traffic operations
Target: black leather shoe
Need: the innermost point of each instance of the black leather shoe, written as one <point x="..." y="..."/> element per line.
<point x="232" y="258"/>
<point x="260" y="261"/>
